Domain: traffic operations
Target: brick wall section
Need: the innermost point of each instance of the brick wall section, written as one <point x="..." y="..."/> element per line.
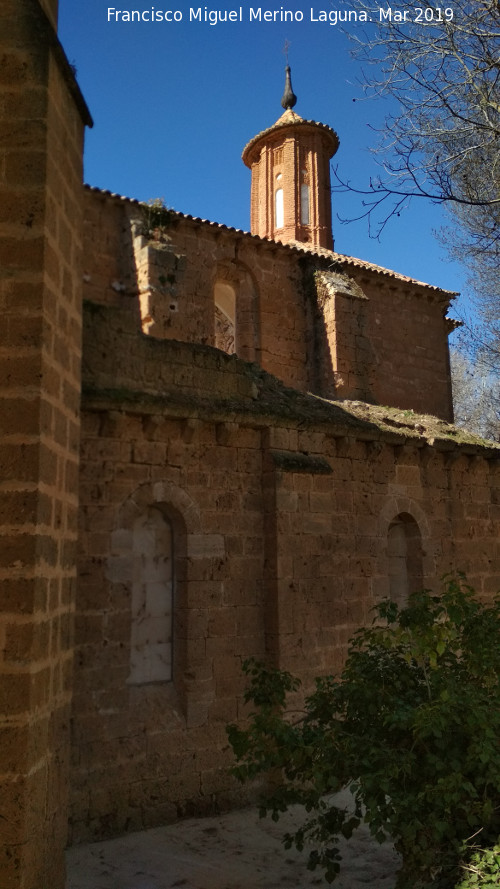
<point x="40" y="176"/>
<point x="143" y="754"/>
<point x="382" y="340"/>
<point x="109" y="270"/>
<point x="343" y="353"/>
<point x="408" y="360"/>
<point x="332" y="535"/>
<point x="178" y="302"/>
<point x="348" y="333"/>
<point x="277" y="555"/>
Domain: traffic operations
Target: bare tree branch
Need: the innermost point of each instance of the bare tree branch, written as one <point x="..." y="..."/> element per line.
<point x="440" y="68"/>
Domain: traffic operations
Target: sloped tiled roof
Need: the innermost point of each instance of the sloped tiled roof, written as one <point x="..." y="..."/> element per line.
<point x="340" y="259"/>
<point x="287" y="119"/>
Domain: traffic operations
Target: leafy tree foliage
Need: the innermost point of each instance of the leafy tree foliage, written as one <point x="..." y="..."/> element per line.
<point x="482" y="871"/>
<point x="412" y="726"/>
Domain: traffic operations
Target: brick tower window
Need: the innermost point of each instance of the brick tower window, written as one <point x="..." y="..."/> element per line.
<point x="279" y="208"/>
<point x="304" y="204"/>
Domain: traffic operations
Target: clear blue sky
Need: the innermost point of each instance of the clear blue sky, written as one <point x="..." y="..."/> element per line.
<point x="174" y="105"/>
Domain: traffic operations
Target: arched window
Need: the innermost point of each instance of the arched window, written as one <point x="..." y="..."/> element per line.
<point x="225" y="317"/>
<point x="152" y="599"/>
<point x="404" y="553"/>
<point x="236" y="310"/>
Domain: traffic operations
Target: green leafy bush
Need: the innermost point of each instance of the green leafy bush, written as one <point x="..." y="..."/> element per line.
<point x="412" y="727"/>
<point x="156" y="220"/>
<point x="482" y="870"/>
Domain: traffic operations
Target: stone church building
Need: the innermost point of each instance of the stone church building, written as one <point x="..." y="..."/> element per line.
<point x="214" y="444"/>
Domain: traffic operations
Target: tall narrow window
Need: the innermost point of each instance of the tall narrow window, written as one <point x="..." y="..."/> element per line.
<point x="404" y="552"/>
<point x="278" y="209"/>
<point x="152" y="598"/>
<point x="304" y="204"/>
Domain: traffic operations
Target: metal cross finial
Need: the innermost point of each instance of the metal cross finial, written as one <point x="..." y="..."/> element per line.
<point x="286" y="47"/>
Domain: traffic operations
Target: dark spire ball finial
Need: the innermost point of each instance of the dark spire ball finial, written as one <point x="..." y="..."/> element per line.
<point x="289" y="98"/>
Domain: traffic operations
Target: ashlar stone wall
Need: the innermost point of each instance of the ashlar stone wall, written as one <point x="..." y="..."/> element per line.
<point x="282" y="510"/>
<point x="42" y="116"/>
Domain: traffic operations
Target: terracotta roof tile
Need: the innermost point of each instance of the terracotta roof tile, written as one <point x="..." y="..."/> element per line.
<point x="287" y="119"/>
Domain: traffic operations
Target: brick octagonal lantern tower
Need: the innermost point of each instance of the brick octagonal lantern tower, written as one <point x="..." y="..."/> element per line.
<point x="290" y="164"/>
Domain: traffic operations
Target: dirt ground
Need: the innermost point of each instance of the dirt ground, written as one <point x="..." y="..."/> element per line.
<point x="233" y="851"/>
